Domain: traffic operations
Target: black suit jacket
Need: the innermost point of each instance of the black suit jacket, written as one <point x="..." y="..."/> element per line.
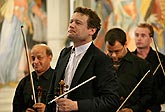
<point x="158" y="96"/>
<point x="98" y="95"/>
<point x="131" y="70"/>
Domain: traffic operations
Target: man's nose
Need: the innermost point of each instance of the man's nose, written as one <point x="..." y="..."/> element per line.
<point x="113" y="54"/>
<point x="72" y="24"/>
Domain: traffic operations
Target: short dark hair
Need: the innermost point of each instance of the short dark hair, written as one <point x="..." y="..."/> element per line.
<point x="149" y="26"/>
<point x="93" y="19"/>
<point x="115" y="34"/>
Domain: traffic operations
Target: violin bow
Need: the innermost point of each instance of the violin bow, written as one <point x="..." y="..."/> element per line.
<point x="133" y="90"/>
<point x="156" y="50"/>
<point x="136" y="87"/>
<point x="28" y="61"/>
<point x="72" y="89"/>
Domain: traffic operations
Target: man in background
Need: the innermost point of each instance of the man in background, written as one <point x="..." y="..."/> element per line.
<point x="130" y="70"/>
<point x="144" y="35"/>
<point x="41" y="56"/>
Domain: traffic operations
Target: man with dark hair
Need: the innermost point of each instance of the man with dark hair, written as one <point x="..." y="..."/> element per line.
<point x="80" y="62"/>
<point x="130" y="70"/>
<point x="23" y="101"/>
<point x="144" y="34"/>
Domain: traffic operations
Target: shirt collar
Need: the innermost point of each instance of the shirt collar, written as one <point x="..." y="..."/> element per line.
<point x="128" y="56"/>
<point x="46" y="74"/>
<point x="150" y="54"/>
<point x="82" y="48"/>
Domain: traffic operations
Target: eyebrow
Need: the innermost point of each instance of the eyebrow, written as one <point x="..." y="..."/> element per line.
<point x="76" y="20"/>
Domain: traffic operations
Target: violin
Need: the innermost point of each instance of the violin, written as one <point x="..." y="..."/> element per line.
<point x="39" y="95"/>
<point x="60" y="91"/>
<point x="62" y="84"/>
<point x="63" y="87"/>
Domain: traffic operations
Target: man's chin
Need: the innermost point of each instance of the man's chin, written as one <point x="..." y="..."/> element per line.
<point x="37" y="70"/>
<point x="69" y="36"/>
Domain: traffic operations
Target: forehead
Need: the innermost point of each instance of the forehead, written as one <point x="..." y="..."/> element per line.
<point x="142" y="30"/>
<point x="115" y="46"/>
<point x="38" y="50"/>
<point x="79" y="16"/>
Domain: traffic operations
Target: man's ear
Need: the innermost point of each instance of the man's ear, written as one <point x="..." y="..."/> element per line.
<point x="50" y="57"/>
<point x="151" y="40"/>
<point x="92" y="31"/>
<point x="126" y="44"/>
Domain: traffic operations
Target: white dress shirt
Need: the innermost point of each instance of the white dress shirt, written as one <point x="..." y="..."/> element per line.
<point x="76" y="55"/>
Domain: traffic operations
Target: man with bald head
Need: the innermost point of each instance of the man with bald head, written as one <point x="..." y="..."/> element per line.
<point x="41" y="56"/>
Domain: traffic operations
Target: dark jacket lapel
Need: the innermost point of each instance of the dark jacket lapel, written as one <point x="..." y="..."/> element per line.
<point x="64" y="58"/>
<point x="82" y="65"/>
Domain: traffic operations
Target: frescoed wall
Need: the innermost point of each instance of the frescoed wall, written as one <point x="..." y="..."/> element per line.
<point x="126" y="14"/>
<point x="114" y="13"/>
<point x="31" y="14"/>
